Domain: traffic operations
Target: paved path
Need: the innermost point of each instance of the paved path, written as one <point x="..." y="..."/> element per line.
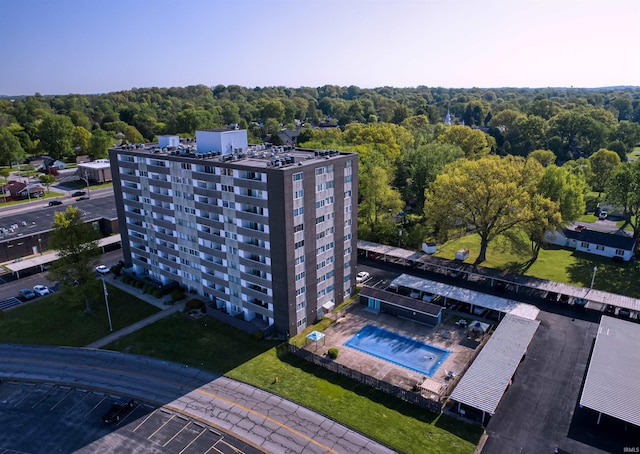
<point x="270" y="422"/>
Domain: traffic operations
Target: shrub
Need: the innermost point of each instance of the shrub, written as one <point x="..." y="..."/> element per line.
<point x="138" y="284"/>
<point x="194" y="304"/>
<point x="126" y="280"/>
<point x="258" y="335"/>
<point x="116" y="269"/>
<point x="157" y="293"/>
<point x="177" y="295"/>
<point x="333" y="353"/>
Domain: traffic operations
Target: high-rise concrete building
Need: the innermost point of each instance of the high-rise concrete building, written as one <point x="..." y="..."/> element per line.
<point x="264" y="233"/>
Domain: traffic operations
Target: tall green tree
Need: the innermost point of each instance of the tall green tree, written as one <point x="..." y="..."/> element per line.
<point x="99" y="143"/>
<point x="473" y="142"/>
<point x="603" y="162"/>
<point x="56" y="136"/>
<point x="492" y="194"/>
<point x="77" y="246"/>
<point x="10" y="148"/>
<point x="47" y="180"/>
<point x="80" y="139"/>
<point x="623" y="189"/>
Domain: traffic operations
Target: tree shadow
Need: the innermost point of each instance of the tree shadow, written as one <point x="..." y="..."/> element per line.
<point x="611" y="276"/>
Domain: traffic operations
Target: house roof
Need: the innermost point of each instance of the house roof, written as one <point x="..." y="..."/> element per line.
<point x="618" y="240"/>
<point x="612" y="386"/>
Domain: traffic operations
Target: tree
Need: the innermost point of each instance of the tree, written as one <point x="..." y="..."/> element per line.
<point x="623" y="188"/>
<point x="492" y="194"/>
<point x="56" y="132"/>
<point x="10" y="148"/>
<point x="47" y="180"/>
<point x="423" y="164"/>
<point x="77" y="246"/>
<point x="100" y="142"/>
<point x="566" y="188"/>
<point x="80" y="139"/>
<point x="544" y="157"/>
<point x="132" y="135"/>
<point x="473" y="142"/>
<point x="603" y="162"/>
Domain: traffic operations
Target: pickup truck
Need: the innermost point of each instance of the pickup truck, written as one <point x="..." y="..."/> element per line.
<point x="118" y="410"/>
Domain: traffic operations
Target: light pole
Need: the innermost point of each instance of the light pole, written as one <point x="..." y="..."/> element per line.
<point x="86" y="179"/>
<point x="593" y="278"/>
<point x="106" y="302"/>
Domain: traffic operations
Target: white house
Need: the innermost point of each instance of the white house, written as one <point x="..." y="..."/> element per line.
<point x="618" y="244"/>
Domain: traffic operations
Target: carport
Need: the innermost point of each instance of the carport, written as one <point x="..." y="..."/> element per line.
<point x="465" y="295"/>
<point x="487" y="379"/>
<point x="612" y="386"/>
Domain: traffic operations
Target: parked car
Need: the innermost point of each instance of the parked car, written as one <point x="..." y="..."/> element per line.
<point x="84" y="197"/>
<point x="78" y="194"/>
<point x="428" y="297"/>
<point x="102" y="269"/>
<point x="118" y="410"/>
<point x="624" y="313"/>
<point x="580" y="302"/>
<point x="603" y="215"/>
<point x="362" y="276"/>
<point x="552" y="297"/>
<point x="41" y="290"/>
<point x="26" y="294"/>
<point x="564" y="299"/>
<point x="610" y="309"/>
<point x="54" y="203"/>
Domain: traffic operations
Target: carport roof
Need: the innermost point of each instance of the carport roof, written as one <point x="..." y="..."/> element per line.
<point x="488" y="377"/>
<point x="402" y="301"/>
<point x="612" y="386"/>
<point x="466" y="295"/>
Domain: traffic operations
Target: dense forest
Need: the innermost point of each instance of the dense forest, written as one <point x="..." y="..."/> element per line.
<point x="529" y="157"/>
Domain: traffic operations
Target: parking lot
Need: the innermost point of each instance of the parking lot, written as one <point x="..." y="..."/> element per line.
<point x="38" y="418"/>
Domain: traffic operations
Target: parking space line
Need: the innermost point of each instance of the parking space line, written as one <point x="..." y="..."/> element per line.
<point x="176" y="434"/>
<point x="145" y="420"/>
<point x="61" y="400"/>
<point x="204" y="431"/>
<point x="95" y="406"/>
<point x="160" y="428"/>
<point x="42" y="398"/>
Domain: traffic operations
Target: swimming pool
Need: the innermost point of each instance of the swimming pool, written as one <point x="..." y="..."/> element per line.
<point x="398" y="349"/>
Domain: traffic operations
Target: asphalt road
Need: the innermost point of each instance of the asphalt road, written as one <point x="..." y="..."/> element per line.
<point x="257" y="417"/>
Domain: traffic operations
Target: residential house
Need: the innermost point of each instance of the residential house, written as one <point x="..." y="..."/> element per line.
<point x="619" y="244"/>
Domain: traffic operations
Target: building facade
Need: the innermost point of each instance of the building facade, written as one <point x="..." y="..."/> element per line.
<point x="265" y="234"/>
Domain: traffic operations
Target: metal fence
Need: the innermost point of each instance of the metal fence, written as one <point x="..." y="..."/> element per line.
<point x="412" y="397"/>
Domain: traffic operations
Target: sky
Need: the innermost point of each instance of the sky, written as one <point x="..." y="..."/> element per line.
<point x="99" y="46"/>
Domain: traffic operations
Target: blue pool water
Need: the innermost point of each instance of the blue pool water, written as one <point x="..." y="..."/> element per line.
<point x="398" y="349"/>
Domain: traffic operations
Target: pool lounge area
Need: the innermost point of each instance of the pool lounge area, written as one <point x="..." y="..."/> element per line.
<point x="398" y="349"/>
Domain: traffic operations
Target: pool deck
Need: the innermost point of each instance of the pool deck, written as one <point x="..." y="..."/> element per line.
<point x="446" y="335"/>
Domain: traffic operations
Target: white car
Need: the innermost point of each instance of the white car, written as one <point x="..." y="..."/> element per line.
<point x="603" y="215"/>
<point x="41" y="290"/>
<point x="362" y="276"/>
<point x="102" y="269"/>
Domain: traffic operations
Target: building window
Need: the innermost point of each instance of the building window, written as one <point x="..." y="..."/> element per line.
<point x="299" y="260"/>
<point x="298" y="228"/>
<point x="599" y="247"/>
<point x="299" y="244"/>
<point x="320" y="171"/>
<point x="298" y="194"/>
<point x="301" y="305"/>
<point x="619" y="252"/>
<point x="297" y="176"/>
<point x="584" y="245"/>
<point x="298" y="211"/>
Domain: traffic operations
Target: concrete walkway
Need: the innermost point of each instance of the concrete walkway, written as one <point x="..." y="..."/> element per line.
<point x="166" y="310"/>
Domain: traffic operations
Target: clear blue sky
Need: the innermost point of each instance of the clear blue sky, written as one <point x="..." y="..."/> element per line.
<point x="95" y="46"/>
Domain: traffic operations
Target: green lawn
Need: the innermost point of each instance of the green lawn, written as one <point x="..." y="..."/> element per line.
<point x="50" y="320"/>
<point x="553" y="263"/>
<point x="214" y="346"/>
<point x="47" y="195"/>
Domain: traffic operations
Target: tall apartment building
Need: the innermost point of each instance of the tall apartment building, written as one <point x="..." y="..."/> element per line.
<point x="267" y="234"/>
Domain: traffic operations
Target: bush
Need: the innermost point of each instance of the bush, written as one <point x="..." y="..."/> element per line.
<point x="126" y="280"/>
<point x="333" y="353"/>
<point x="177" y="295"/>
<point x="157" y="293"/>
<point x="138" y="284"/>
<point x="258" y="335"/>
<point x="195" y="304"/>
<point x="117" y="269"/>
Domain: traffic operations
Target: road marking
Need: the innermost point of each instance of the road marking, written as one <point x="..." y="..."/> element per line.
<point x="271" y="420"/>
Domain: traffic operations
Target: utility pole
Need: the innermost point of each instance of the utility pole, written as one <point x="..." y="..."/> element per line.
<point x="106" y="302"/>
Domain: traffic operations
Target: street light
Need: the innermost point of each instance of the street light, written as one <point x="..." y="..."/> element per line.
<point x="106" y="302"/>
<point x="595" y="268"/>
<point x="86" y="179"/>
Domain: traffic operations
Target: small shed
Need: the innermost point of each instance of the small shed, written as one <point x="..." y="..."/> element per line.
<point x="429" y="247"/>
<point x="462" y="254"/>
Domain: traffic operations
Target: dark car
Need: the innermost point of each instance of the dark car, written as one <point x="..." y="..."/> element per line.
<point x="26" y="294"/>
<point x="84" y="197"/>
<point x="610" y="309"/>
<point x="552" y="297"/>
<point x="78" y="194"/>
<point x="54" y="203"/>
<point x="565" y="299"/>
<point x="118" y="410"/>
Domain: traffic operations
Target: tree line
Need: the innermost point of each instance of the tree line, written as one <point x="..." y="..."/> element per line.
<point x="536" y="151"/>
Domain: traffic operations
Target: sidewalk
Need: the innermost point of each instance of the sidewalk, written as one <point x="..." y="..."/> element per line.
<point x="138" y="293"/>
